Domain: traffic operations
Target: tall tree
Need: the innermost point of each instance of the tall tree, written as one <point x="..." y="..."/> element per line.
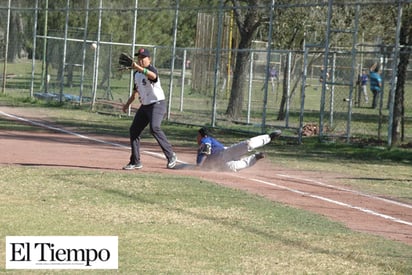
<point x="405" y="40"/>
<point x="248" y="18"/>
<point x="290" y="26"/>
<point x="295" y="27"/>
<point x="16" y="33"/>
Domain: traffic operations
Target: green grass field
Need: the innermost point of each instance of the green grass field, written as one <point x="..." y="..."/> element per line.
<point x="183" y="225"/>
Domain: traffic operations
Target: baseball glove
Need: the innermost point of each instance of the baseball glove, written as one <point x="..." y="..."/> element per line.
<point x="125" y="60"/>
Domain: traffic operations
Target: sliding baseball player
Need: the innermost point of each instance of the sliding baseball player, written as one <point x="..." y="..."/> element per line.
<point x="213" y="155"/>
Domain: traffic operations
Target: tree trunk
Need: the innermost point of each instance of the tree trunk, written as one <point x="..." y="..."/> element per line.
<point x="247" y="24"/>
<point x="399" y="98"/>
<point x="295" y="81"/>
<point x="16" y="37"/>
<point x="404" y="39"/>
<point x="282" y="107"/>
<point x="234" y="109"/>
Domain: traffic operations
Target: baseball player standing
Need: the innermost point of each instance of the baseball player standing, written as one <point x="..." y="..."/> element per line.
<point x="151" y="111"/>
<point x="212" y="154"/>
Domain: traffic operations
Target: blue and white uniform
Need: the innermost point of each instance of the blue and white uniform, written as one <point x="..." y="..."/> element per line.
<point x="212" y="154"/>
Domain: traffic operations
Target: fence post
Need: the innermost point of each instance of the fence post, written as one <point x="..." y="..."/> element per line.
<point x="66" y="26"/>
<point x="249" y="94"/>
<point x="302" y="94"/>
<point x="97" y="51"/>
<point x="172" y="69"/>
<point x="217" y="61"/>
<point x="268" y="56"/>
<point x="289" y="62"/>
<point x="33" y="59"/>
<point x="182" y="89"/>
<point x="6" y="52"/>
<point x="86" y="26"/>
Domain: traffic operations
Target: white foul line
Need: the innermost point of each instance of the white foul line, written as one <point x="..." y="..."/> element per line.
<point x="79" y="135"/>
<point x="362" y="209"/>
<point x="347" y="190"/>
<point x="365" y="210"/>
<point x="62" y="130"/>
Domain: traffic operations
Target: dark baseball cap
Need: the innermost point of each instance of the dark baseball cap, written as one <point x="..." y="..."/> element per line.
<point x="143" y="52"/>
<point x="203" y="132"/>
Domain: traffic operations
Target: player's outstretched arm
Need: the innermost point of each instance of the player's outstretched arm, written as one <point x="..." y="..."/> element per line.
<point x="129" y="101"/>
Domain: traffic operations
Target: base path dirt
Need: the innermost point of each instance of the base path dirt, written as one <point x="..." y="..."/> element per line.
<point x="315" y="191"/>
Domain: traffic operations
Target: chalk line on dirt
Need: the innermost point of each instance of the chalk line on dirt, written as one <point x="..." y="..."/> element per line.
<point x="77" y="134"/>
<point x="347" y="190"/>
<point x="307" y="194"/>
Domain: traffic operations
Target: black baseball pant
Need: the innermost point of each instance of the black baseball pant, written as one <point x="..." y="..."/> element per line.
<point x="153" y="115"/>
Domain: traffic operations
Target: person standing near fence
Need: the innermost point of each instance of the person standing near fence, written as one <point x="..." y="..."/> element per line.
<point x="151" y="111"/>
<point x="321" y="80"/>
<point x="375" y="81"/>
<point x="363" y="82"/>
<point x="274" y="76"/>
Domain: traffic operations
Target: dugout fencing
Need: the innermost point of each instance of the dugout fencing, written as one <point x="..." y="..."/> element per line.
<point x="61" y="65"/>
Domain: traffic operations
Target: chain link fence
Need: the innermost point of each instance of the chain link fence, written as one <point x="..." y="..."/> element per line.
<point x="281" y="87"/>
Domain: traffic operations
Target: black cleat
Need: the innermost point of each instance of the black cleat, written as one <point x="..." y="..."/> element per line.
<point x="132" y="166"/>
<point x="260" y="155"/>
<point x="275" y="134"/>
<point x="172" y="161"/>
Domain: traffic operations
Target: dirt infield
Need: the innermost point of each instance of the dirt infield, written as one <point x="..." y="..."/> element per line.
<point x="311" y="190"/>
